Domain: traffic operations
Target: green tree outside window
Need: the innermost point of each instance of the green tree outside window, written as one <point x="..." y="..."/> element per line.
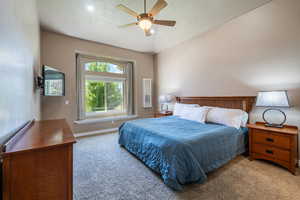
<point x="100" y="95"/>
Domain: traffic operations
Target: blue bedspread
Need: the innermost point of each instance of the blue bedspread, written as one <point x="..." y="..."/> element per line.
<point x="182" y="151"/>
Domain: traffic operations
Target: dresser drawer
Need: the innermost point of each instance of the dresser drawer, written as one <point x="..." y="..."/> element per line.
<point x="264" y="137"/>
<point x="273" y="152"/>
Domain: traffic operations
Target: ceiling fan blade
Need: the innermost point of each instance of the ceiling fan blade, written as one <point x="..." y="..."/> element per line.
<point x="127" y="25"/>
<point x="159" y="5"/>
<point x="127" y="10"/>
<point x="165" y="22"/>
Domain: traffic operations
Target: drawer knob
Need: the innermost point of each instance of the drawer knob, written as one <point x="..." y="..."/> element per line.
<point x="270" y="139"/>
<point x="269" y="151"/>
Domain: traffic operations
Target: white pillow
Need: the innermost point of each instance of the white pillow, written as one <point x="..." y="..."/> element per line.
<point x="195" y="114"/>
<point x="229" y="117"/>
<point x="245" y="118"/>
<point x="245" y="115"/>
<point x="179" y="107"/>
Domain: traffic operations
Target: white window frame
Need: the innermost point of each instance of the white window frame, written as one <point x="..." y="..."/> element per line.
<point x="82" y="76"/>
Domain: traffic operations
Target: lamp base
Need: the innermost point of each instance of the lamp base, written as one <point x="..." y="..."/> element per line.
<point x="274" y="125"/>
<point x="163" y="110"/>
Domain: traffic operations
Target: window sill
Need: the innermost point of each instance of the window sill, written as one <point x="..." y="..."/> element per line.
<point x="105" y="119"/>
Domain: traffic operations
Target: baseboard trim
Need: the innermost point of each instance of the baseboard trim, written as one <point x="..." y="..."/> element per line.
<point x="105" y="119"/>
<point x="97" y="132"/>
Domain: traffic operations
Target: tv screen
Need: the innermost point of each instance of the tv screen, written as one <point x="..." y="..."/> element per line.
<point x="54" y="82"/>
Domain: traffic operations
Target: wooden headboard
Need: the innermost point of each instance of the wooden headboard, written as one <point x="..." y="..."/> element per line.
<point x="238" y="102"/>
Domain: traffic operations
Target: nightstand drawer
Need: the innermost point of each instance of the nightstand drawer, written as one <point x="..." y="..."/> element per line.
<point x="272" y="152"/>
<point x="264" y="137"/>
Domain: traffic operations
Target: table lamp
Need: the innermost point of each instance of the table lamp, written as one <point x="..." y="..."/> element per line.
<point x="274" y="100"/>
<point x="164" y="100"/>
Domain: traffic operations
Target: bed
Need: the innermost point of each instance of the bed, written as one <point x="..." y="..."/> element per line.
<point x="184" y="151"/>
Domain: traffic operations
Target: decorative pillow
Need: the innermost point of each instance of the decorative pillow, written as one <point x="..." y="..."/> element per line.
<point x="195" y="114"/>
<point x="179" y="107"/>
<point x="229" y="117"/>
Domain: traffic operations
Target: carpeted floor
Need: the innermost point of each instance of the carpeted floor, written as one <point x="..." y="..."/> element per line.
<point x="104" y="171"/>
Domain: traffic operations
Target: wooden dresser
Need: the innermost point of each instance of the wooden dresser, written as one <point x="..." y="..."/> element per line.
<point x="279" y="145"/>
<point x="38" y="162"/>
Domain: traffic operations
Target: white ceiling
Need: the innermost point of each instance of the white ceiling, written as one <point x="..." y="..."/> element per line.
<point x="193" y="17"/>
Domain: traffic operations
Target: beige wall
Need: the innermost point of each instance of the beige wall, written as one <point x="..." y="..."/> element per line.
<point x="257" y="51"/>
<point x="19" y="64"/>
<point x="59" y="51"/>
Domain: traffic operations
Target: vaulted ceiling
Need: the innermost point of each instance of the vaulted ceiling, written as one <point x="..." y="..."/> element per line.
<point x="98" y="20"/>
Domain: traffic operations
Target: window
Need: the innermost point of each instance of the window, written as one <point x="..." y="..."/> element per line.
<point x="104" y="87"/>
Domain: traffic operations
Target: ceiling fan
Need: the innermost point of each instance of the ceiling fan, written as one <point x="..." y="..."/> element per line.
<point x="146" y="20"/>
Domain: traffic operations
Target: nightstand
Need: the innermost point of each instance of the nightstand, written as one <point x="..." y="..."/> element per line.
<point x="163" y="114"/>
<point x="279" y="145"/>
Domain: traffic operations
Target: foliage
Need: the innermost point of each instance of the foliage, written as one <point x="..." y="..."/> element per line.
<point x="103" y="67"/>
<point x="100" y="95"/>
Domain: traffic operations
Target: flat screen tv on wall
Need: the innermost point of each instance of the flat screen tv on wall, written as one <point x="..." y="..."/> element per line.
<point x="53" y="82"/>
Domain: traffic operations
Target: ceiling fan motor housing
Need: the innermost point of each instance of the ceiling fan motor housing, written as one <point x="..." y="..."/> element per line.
<point x="145" y="16"/>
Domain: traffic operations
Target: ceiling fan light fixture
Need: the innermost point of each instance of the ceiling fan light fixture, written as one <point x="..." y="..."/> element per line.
<point x="146" y="19"/>
<point x="145" y="24"/>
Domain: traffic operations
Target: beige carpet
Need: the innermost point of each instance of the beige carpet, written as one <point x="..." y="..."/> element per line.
<point x="251" y="180"/>
<point x="103" y="170"/>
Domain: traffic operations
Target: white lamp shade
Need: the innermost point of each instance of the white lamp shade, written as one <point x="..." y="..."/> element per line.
<point x="272" y="99"/>
<point x="165" y="98"/>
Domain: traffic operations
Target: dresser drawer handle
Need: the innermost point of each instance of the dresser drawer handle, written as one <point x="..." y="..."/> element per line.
<point x="270" y="139"/>
<point x="269" y="151"/>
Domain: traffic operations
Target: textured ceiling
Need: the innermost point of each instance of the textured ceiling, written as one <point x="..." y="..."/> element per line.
<point x="193" y="17"/>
